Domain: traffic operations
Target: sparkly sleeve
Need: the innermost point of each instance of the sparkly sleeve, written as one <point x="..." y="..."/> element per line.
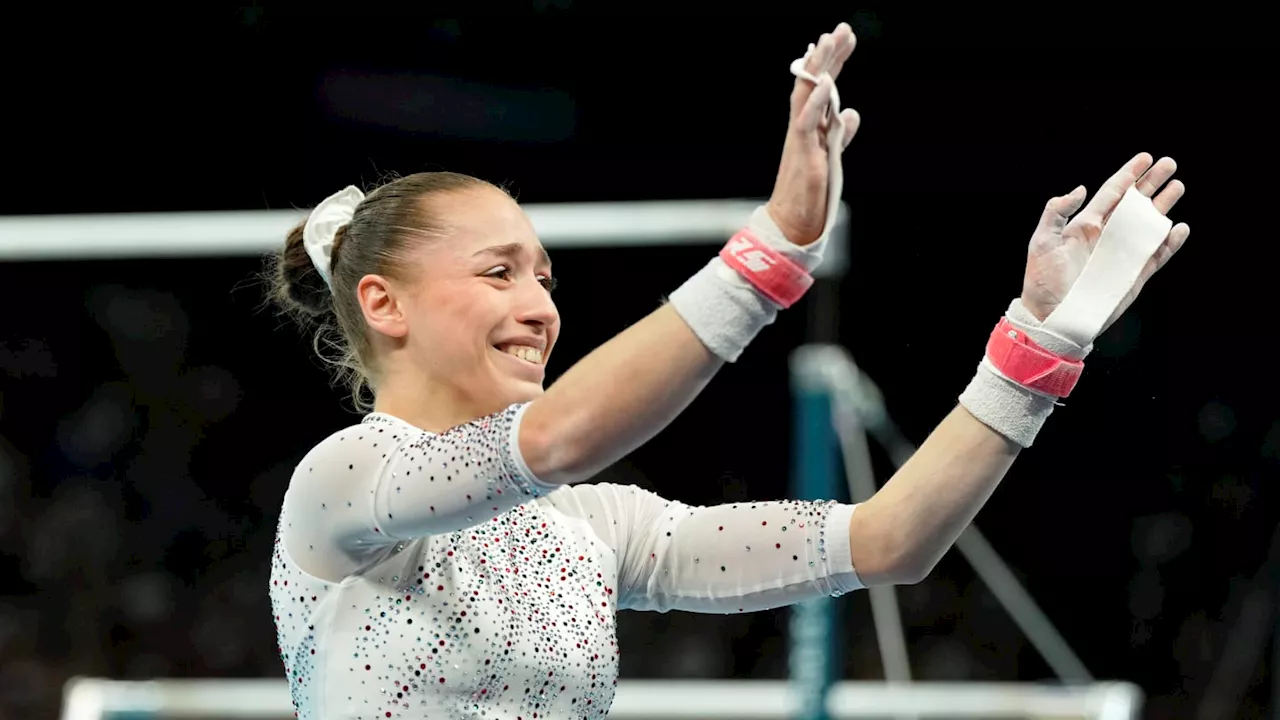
<point x="739" y="557"/>
<point x="372" y="484"/>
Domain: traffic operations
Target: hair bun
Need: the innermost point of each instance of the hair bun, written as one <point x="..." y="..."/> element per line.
<point x="299" y="285"/>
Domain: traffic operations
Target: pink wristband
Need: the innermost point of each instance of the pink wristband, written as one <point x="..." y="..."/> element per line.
<point x="777" y="278"/>
<point x="1021" y="360"/>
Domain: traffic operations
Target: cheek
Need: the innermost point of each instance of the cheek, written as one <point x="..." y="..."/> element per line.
<point x="554" y="328"/>
<point x="462" y="320"/>
<point x="554" y="331"/>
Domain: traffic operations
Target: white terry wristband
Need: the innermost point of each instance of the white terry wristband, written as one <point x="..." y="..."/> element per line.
<point x="1003" y="405"/>
<point x="724" y="316"/>
<point x="726" y="311"/>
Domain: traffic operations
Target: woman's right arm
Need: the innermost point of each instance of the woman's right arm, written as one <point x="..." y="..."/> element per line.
<point x="633" y="386"/>
<point x="616" y="398"/>
<point x="384" y="480"/>
<point x="373" y="484"/>
<point x="405" y="483"/>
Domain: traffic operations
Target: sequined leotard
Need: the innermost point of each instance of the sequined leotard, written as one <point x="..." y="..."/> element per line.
<point x="431" y="575"/>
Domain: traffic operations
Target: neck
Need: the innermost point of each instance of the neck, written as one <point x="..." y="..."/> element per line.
<point x="411" y="396"/>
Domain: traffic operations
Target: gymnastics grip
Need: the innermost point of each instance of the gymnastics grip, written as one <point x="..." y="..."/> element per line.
<point x="769" y="271"/>
<point x="1132" y="234"/>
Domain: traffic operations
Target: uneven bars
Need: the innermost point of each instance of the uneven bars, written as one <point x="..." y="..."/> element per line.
<point x="256" y="232"/>
<point x="256" y="699"/>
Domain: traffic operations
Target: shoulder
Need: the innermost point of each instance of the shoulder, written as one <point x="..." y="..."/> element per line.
<point x="358" y="440"/>
<point x="349" y="454"/>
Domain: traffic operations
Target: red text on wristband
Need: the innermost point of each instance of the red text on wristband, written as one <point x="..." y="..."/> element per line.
<point x="769" y="271"/>
<point x="1021" y="360"/>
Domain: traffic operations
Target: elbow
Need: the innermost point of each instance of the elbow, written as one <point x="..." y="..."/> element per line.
<point x="912" y="560"/>
<point x="886" y="555"/>
<point x="911" y="571"/>
<point x="545" y="451"/>
<point x="894" y="570"/>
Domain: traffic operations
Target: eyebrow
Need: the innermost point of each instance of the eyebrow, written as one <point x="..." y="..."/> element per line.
<point x="511" y="250"/>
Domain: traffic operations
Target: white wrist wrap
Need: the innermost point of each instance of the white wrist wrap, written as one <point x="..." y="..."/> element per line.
<point x="724" y="310"/>
<point x="1003" y="405"/>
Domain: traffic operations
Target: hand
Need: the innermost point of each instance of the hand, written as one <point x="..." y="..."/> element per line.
<point x="799" y="201"/>
<point x="1060" y="248"/>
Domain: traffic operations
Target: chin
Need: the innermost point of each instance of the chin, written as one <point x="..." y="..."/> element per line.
<point x="508" y="392"/>
<point x="521" y="392"/>
<point x="512" y="381"/>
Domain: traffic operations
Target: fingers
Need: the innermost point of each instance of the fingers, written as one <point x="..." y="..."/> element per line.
<point x="1149" y="181"/>
<point x="831" y="52"/>
<point x="852" y="120"/>
<point x="820" y="59"/>
<point x="1068" y="204"/>
<point x="815" y="107"/>
<point x="1157" y="176"/>
<point x="1060" y="209"/>
<point x="1169" y="197"/>
<point x="1113" y="190"/>
<point x="827" y="56"/>
<point x="815" y="65"/>
<point x="845" y="41"/>
<point x="1172" y="243"/>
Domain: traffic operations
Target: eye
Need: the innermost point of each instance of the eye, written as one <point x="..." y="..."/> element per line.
<point x="548" y="282"/>
<point x="502" y="272"/>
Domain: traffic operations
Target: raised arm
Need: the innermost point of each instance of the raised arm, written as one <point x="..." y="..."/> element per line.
<point x="904" y="529"/>
<point x="621" y="395"/>
<point x="385" y="480"/>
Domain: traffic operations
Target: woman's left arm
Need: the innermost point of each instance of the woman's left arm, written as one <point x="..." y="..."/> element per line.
<point x="1033" y="358"/>
<point x="751" y="556"/>
<point x="732" y="558"/>
<point x="898" y="535"/>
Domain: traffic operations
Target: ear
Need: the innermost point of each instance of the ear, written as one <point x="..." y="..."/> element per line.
<point x="383" y="304"/>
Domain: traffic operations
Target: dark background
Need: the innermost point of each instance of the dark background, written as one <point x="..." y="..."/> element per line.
<point x="151" y="411"/>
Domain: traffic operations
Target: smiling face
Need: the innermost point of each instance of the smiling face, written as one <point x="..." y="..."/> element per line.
<point x="476" y="319"/>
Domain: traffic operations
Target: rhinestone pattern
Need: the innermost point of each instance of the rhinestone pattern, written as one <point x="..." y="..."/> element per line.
<point x="422" y="575"/>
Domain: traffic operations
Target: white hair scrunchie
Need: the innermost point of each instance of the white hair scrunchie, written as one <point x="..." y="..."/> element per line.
<point x="322" y="226"/>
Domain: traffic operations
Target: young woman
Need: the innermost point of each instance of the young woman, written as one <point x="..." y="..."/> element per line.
<point x="437" y="559"/>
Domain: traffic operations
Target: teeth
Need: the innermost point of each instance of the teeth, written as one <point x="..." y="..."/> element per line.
<point x="524" y="352"/>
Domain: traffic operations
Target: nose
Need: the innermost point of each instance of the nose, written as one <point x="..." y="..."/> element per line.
<point x="535" y="306"/>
